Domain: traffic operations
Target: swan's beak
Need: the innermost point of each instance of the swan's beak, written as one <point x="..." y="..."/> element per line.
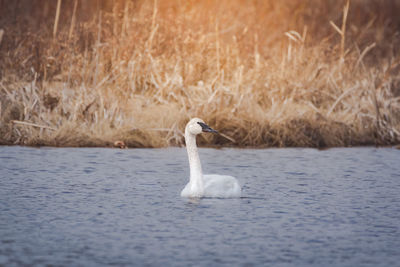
<point x="206" y="128"/>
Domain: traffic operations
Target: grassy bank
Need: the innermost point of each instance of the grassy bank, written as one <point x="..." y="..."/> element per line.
<point x="264" y="73"/>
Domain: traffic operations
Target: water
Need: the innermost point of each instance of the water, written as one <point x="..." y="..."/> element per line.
<point x="300" y="207"/>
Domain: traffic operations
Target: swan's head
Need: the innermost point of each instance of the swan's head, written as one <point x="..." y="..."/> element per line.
<point x="196" y="126"/>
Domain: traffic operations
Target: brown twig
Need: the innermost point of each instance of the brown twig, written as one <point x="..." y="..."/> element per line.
<point x="33" y="125"/>
<point x="71" y="28"/>
<point x="1" y="35"/>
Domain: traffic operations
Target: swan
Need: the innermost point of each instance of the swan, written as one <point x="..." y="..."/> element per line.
<point x="211" y="185"/>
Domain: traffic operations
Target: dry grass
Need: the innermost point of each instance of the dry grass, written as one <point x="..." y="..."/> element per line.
<point x="265" y="73"/>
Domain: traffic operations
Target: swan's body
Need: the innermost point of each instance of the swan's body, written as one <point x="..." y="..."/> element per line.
<point x="215" y="185"/>
<point x="211" y="185"/>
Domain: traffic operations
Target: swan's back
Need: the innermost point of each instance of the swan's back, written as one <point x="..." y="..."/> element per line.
<point x="221" y="186"/>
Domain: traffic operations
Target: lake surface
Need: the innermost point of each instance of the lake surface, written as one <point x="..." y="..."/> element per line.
<point x="300" y="207"/>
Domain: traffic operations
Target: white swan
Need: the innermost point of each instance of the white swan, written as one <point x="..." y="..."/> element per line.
<point x="211" y="185"/>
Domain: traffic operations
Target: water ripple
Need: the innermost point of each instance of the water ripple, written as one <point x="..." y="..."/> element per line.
<point x="101" y="207"/>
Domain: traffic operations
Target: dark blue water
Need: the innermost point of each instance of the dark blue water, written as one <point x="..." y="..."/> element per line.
<point x="301" y="207"/>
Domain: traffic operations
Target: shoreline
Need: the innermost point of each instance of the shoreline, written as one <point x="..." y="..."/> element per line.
<point x="217" y="147"/>
<point x="140" y="139"/>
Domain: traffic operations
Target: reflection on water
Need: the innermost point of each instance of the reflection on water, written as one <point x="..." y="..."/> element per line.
<point x="300" y="207"/>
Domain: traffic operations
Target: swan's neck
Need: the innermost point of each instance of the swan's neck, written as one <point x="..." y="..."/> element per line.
<point x="196" y="176"/>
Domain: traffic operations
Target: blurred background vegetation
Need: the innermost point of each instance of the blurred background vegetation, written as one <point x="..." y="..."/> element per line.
<point x="264" y="73"/>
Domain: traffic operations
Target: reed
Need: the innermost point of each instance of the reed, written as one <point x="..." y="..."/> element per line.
<point x="57" y="18"/>
<point x="263" y="73"/>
